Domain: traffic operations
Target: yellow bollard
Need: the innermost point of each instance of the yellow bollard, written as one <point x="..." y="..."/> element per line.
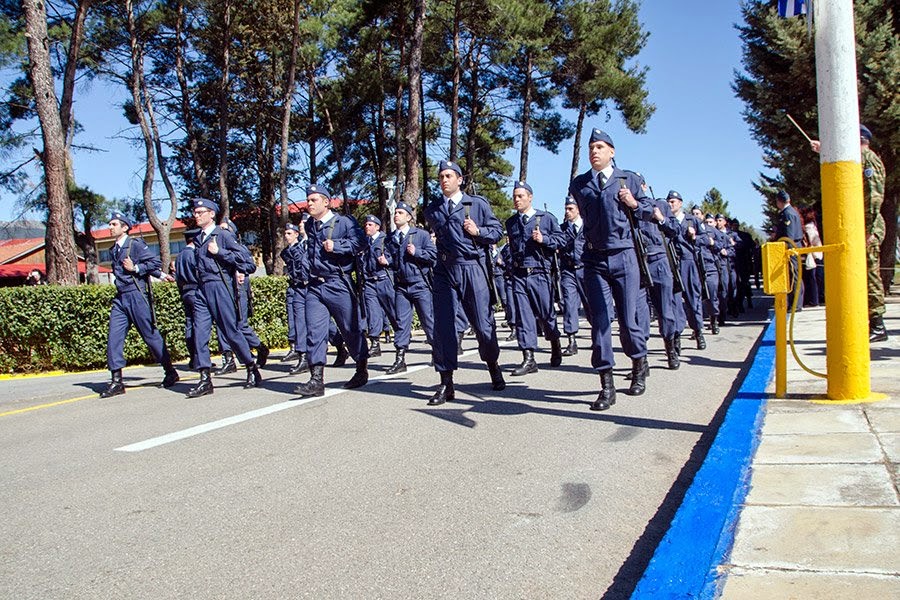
<point x="780" y="345"/>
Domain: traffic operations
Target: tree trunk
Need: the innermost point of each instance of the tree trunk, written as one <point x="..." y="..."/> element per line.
<point x="398" y="98"/>
<point x="412" y="130"/>
<point x="576" y="150"/>
<point x="287" y="101"/>
<point x="68" y="88"/>
<point x="526" y="120"/>
<point x="312" y="119"/>
<point x="338" y="153"/>
<point x="475" y="61"/>
<point x="191" y="142"/>
<point x="454" y="92"/>
<point x="61" y="260"/>
<point x="223" y="110"/>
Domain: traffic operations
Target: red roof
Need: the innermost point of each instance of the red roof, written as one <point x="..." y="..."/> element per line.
<point x="138" y="230"/>
<point x="18" y="270"/>
<point x="10" y="249"/>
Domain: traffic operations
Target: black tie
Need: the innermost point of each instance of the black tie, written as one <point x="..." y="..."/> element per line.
<point x="524" y="220"/>
<point x="601" y="179"/>
<point x="400" y="237"/>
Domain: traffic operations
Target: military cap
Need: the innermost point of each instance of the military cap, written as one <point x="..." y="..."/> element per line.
<point x="229" y="225"/>
<point x="191" y="234"/>
<point x="783" y="196"/>
<point x="734" y="222"/>
<point x="205" y="203"/>
<point x="447" y="164"/>
<point x="674" y="194"/>
<point x="571" y="200"/>
<point x="304" y="217"/>
<point x="708" y="216"/>
<point x="864" y="132"/>
<point x="373" y="219"/>
<point x="601" y="136"/>
<point x="406" y="207"/>
<point x="291" y="227"/>
<point x="524" y="186"/>
<point x="720" y="216"/>
<point x="120" y="216"/>
<point x="694" y="207"/>
<point x="317" y="189"/>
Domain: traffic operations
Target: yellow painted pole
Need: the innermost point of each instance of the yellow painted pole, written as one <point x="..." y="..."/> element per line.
<point x="781" y="345"/>
<point x="847" y="341"/>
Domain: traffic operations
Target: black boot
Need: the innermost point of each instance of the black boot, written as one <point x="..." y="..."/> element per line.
<point x="302" y="365"/>
<point x="672" y="354"/>
<point x="877" y="330"/>
<point x="459" y="340"/>
<point x="342" y="355"/>
<point x="290" y="356"/>
<point x="701" y="341"/>
<point x="399" y="365"/>
<point x="676" y="339"/>
<point x="115" y="387"/>
<point x="361" y="377"/>
<point x="387" y="337"/>
<point x="497" y="382"/>
<point x="511" y="337"/>
<point x="714" y="325"/>
<point x="607" y="396"/>
<point x="203" y="388"/>
<point x="262" y="355"/>
<point x="555" y="353"/>
<point x="254" y="379"/>
<point x="374" y="347"/>
<point x="171" y="376"/>
<point x="228" y="364"/>
<point x="444" y="391"/>
<point x="528" y="365"/>
<point x="639" y="371"/>
<point x="572" y="348"/>
<point x="316" y="384"/>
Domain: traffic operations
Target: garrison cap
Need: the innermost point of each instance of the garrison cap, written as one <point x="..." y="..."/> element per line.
<point x="405" y="206"/>
<point x="120" y="216"/>
<point x="709" y="216"/>
<point x="373" y="219"/>
<point x="524" y="186"/>
<point x="191" y="234"/>
<point x="571" y="200"/>
<point x="317" y="189"/>
<point x="783" y="196"/>
<point x="674" y="194"/>
<point x="720" y="216"/>
<point x="229" y="225"/>
<point x="601" y="136"/>
<point x="864" y="132"/>
<point x="205" y="203"/>
<point x="291" y="227"/>
<point x="447" y="164"/>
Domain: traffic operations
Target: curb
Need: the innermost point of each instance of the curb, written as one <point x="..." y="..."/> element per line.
<point x="685" y="564"/>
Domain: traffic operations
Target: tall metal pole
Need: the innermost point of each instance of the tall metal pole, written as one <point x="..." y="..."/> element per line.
<point x="842" y="202"/>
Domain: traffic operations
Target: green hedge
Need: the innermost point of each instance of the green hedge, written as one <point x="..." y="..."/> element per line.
<point x="53" y="327"/>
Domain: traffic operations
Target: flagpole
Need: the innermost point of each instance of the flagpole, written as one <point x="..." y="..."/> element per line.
<point x="846" y="324"/>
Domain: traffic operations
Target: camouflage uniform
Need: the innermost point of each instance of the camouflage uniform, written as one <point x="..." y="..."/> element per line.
<point x="873" y="197"/>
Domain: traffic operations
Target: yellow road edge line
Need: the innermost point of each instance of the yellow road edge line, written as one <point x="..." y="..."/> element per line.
<point x="48" y="405"/>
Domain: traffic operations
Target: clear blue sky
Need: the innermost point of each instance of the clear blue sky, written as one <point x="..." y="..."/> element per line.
<point x="696" y="139"/>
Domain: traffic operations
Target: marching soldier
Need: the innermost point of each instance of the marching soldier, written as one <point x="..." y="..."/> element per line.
<point x="708" y="245"/>
<point x="464" y="227"/>
<point x="728" y="280"/>
<point x="505" y="262"/>
<point x="188" y="288"/>
<point x="377" y="284"/>
<point x="533" y="236"/>
<point x="743" y="264"/>
<point x="133" y="263"/>
<point x="334" y="242"/>
<point x="607" y="197"/>
<point x="218" y="254"/>
<point x="500" y="283"/>
<point x="410" y="253"/>
<point x="296" y="267"/>
<point x="572" y="275"/>
<point x="691" y="310"/>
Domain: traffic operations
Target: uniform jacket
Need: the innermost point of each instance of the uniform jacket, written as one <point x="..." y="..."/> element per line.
<point x="411" y="268"/>
<point x="453" y="243"/>
<point x="348" y="238"/>
<point x="296" y="264"/>
<point x="147" y="263"/>
<point x="372" y="251"/>
<point x="213" y="267"/>
<point x="527" y="253"/>
<point x="186" y="270"/>
<point x="573" y="246"/>
<point x="788" y="225"/>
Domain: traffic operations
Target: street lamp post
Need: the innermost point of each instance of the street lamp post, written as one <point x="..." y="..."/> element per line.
<point x="390" y="185"/>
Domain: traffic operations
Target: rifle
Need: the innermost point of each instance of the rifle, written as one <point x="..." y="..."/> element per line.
<point x="148" y="291"/>
<point x="235" y="291"/>
<point x="488" y="268"/>
<point x="554" y="272"/>
<point x="701" y="266"/>
<point x="675" y="265"/>
<point x="360" y="288"/>
<point x="639" y="248"/>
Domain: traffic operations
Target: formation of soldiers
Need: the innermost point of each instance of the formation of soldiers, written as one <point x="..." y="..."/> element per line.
<point x="619" y="256"/>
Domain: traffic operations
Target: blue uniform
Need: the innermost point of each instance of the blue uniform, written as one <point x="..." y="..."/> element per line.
<point x="571" y="278"/>
<point x="412" y="282"/>
<point x="690" y="311"/>
<point x="789" y="225"/>
<point x="189" y="288"/>
<point x="609" y="259"/>
<point x="500" y="282"/>
<point x="531" y="278"/>
<point x="510" y="301"/>
<point x="708" y="245"/>
<point x="244" y="265"/>
<point x="330" y="292"/>
<point x="132" y="304"/>
<point x="661" y="294"/>
<point x="217" y="273"/>
<point x="296" y="263"/>
<point x="378" y="286"/>
<point x="460" y="276"/>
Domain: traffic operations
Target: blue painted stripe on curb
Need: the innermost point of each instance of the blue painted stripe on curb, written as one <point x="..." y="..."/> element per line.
<point x="685" y="564"/>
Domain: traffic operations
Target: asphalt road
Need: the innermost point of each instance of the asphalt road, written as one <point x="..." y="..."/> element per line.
<point x="368" y="493"/>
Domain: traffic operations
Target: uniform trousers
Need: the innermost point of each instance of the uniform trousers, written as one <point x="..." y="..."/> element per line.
<point x="333" y="298"/>
<point x="380" y="309"/>
<point x="573" y="297"/>
<point x="618" y="271"/>
<point x="462" y="284"/>
<point x="661" y="295"/>
<point x="296" y="299"/>
<point x="712" y="282"/>
<point x="534" y="306"/>
<point x="406" y="296"/>
<point x="689" y="307"/>
<point x="216" y="304"/>
<point x="243" y="323"/>
<point x="190" y="303"/>
<point x="129" y="308"/>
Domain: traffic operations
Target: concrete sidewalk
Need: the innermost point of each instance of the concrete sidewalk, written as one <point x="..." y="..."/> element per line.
<point x="822" y="518"/>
